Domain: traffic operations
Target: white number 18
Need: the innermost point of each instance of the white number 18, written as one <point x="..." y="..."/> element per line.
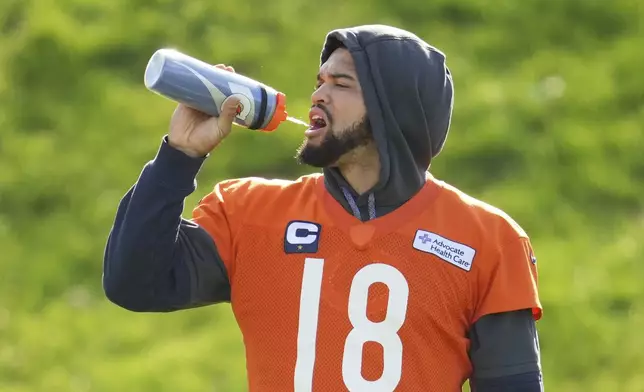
<point x="364" y="330"/>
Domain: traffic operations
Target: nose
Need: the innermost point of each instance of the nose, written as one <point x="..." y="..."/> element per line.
<point x="320" y="95"/>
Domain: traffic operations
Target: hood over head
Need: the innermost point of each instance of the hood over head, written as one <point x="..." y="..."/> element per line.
<point x="408" y="94"/>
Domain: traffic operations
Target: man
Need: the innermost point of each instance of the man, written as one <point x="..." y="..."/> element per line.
<point x="374" y="276"/>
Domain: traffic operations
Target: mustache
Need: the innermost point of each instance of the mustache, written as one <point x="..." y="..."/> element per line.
<point x="325" y="110"/>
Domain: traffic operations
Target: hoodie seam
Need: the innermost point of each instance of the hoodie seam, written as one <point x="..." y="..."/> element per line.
<point x="360" y="48"/>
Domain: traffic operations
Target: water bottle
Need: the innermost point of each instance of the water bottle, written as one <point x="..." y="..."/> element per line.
<point x="204" y="87"/>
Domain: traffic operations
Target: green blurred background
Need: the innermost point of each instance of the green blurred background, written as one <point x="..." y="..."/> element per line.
<point x="547" y="126"/>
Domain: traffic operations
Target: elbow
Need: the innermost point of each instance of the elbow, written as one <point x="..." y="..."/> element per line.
<point x="122" y="296"/>
<point x="138" y="284"/>
<point x="137" y="296"/>
<point x="123" y="287"/>
<point x="132" y="297"/>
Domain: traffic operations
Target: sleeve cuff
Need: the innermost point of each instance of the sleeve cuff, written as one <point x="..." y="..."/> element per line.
<point x="174" y="169"/>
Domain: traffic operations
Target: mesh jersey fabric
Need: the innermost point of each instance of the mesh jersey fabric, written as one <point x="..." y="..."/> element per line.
<point x="367" y="310"/>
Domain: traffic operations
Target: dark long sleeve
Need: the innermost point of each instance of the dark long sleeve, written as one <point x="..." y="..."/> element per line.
<point x="505" y="353"/>
<point x="156" y="261"/>
<point x="526" y="382"/>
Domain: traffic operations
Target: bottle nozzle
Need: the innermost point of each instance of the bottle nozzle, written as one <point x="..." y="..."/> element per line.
<point x="280" y="114"/>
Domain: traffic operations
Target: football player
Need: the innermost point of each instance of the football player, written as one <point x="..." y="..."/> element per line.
<point x="371" y="276"/>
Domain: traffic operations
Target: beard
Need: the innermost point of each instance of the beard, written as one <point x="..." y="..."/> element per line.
<point x="333" y="146"/>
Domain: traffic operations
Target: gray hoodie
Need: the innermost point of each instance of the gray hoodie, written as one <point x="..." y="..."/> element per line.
<point x="408" y="94"/>
<point x="156" y="261"/>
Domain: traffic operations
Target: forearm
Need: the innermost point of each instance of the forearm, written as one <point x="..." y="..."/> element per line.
<point x="147" y="264"/>
<point x="526" y="382"/>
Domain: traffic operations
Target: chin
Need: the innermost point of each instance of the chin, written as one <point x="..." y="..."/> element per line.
<point x="315" y="141"/>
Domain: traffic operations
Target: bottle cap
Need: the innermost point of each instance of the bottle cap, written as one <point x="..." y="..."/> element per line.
<point x="280" y="114"/>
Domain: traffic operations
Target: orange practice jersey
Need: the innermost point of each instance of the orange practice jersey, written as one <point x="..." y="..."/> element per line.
<point x="328" y="303"/>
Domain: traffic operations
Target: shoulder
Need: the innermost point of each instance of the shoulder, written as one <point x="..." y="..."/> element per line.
<point x="254" y="187"/>
<point x="484" y="218"/>
<point x="259" y="196"/>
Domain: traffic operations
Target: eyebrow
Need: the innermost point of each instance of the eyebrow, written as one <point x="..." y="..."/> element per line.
<point x="338" y="76"/>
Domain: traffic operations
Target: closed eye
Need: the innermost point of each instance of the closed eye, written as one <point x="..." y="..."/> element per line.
<point x="335" y="77"/>
<point x="317" y="86"/>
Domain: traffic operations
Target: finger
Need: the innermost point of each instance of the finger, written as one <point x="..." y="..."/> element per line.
<point x="231" y="69"/>
<point x="183" y="110"/>
<point x="192" y="112"/>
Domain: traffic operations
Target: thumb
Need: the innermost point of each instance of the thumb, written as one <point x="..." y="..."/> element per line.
<point x="228" y="112"/>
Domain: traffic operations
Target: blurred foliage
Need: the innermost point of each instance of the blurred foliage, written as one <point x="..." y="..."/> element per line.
<point x="547" y="126"/>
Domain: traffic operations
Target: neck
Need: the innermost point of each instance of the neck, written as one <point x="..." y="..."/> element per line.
<point x="361" y="169"/>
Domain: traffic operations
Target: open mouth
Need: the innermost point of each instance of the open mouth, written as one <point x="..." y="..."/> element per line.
<point x="317" y="122"/>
